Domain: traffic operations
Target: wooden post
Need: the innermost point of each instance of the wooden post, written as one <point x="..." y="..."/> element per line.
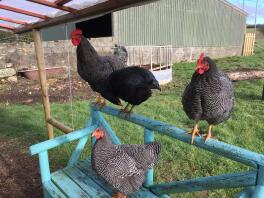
<point x="43" y="81"/>
<point x="148" y="138"/>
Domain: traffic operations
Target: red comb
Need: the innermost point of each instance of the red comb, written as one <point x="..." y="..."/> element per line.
<point x="201" y="57"/>
<point x="75" y="36"/>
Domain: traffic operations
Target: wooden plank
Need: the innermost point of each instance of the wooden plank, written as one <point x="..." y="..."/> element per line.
<point x="229" y="151"/>
<point x="259" y="190"/>
<point x="68" y="186"/>
<point x="86" y="167"/>
<point x="78" y="150"/>
<point x="42" y="79"/>
<point x="62" y="2"/>
<point x="13" y="21"/>
<point x="149" y="138"/>
<point x="49" y="144"/>
<point x="53" y="5"/>
<point x="86" y="183"/>
<point x="86" y="13"/>
<point x="21" y="11"/>
<point x="8" y="27"/>
<point x="102" y="122"/>
<point x="59" y="125"/>
<point x="235" y="180"/>
<point x="44" y="166"/>
<point x="52" y="190"/>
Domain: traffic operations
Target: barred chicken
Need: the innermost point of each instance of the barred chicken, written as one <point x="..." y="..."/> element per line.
<point x="93" y="68"/>
<point x="131" y="84"/>
<point x="122" y="166"/>
<point x="209" y="96"/>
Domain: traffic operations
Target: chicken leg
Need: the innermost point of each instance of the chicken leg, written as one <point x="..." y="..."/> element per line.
<point x="195" y="131"/>
<point x="126" y="111"/>
<point x="208" y="135"/>
<point x="100" y="101"/>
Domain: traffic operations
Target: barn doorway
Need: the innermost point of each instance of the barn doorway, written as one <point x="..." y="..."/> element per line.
<point x="97" y="27"/>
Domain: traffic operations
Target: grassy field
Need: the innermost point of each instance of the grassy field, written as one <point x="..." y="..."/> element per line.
<point x="178" y="160"/>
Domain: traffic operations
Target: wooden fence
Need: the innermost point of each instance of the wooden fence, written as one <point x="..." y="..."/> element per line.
<point x="249" y="42"/>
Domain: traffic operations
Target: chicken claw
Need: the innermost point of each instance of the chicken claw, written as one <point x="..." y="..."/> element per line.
<point x="100" y="102"/>
<point x="194" y="132"/>
<point x="208" y="135"/>
<point x="126" y="111"/>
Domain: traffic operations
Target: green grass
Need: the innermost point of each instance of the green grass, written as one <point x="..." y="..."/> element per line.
<point x="178" y="160"/>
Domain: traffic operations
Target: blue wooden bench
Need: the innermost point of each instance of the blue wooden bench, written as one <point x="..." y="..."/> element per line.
<point x="78" y="179"/>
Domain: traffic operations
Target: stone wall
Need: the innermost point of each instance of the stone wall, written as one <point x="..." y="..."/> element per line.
<point x="22" y="55"/>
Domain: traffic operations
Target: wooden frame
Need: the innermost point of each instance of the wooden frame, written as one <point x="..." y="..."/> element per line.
<point x="253" y="179"/>
<point x="13" y="21"/>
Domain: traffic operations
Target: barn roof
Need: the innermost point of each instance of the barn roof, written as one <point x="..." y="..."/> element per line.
<point x="22" y="16"/>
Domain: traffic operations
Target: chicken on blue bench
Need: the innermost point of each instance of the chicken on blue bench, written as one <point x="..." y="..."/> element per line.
<point x="78" y="179"/>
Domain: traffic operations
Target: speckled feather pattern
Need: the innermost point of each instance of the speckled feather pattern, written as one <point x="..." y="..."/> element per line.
<point x="123" y="166"/>
<point x="209" y="97"/>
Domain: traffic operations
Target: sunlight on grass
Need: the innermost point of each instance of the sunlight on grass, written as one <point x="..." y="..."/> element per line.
<point x="178" y="160"/>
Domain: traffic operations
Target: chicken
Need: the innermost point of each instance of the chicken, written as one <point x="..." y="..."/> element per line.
<point x="121" y="53"/>
<point x="131" y="84"/>
<point x="93" y="68"/>
<point x="122" y="166"/>
<point x="209" y="96"/>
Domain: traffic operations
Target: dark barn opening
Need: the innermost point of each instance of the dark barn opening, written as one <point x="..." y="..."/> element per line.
<point x="97" y="27"/>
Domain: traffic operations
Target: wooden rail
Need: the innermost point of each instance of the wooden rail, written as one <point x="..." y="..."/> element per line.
<point x="252" y="181"/>
<point x="59" y="125"/>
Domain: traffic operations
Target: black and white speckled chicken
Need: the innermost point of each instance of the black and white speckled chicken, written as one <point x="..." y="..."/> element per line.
<point x="122" y="166"/>
<point x="131" y="84"/>
<point x="209" y="96"/>
<point x="93" y="68"/>
<point x="121" y="53"/>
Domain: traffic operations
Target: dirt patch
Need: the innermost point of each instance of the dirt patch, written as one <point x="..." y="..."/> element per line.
<point x="27" y="91"/>
<point x="19" y="173"/>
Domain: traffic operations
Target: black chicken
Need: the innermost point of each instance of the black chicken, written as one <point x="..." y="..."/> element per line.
<point x="123" y="166"/>
<point x="93" y="68"/>
<point x="209" y="96"/>
<point x="131" y="84"/>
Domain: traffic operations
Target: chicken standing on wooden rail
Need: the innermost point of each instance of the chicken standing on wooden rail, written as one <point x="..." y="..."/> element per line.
<point x="209" y="96"/>
<point x="131" y="84"/>
<point x="93" y="68"/>
<point x="122" y="166"/>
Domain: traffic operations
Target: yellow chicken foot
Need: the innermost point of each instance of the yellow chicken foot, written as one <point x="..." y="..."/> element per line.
<point x="208" y="135"/>
<point x="194" y="132"/>
<point x="119" y="195"/>
<point x="101" y="102"/>
<point x="125" y="110"/>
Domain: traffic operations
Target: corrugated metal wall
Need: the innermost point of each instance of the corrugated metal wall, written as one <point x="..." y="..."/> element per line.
<point x="182" y="23"/>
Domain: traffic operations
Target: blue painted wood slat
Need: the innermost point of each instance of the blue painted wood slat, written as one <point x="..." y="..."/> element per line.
<point x="68" y="186"/>
<point x="49" y="144"/>
<point x="44" y="166"/>
<point x="234" y="180"/>
<point x="259" y="190"/>
<point x="229" y="151"/>
<point x="78" y="151"/>
<point x="148" y="138"/>
<point x="86" y="183"/>
<point x="51" y="190"/>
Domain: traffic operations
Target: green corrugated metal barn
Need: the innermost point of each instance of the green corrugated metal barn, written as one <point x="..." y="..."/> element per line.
<point x="181" y="23"/>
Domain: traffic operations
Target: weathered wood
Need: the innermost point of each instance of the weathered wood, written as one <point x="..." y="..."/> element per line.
<point x="59" y="125"/>
<point x="229" y="151"/>
<point x="259" y="190"/>
<point x="43" y="81"/>
<point x="13" y="21"/>
<point x="148" y="138"/>
<point x="247" y="193"/>
<point x="51" y="190"/>
<point x="235" y="180"/>
<point x="86" y="13"/>
<point x="245" y="75"/>
<point x="78" y="150"/>
<point x="61" y="2"/>
<point x="21" y="11"/>
<point x="49" y="144"/>
<point x="69" y="187"/>
<point x="44" y="166"/>
<point x="101" y="122"/>
<point x="8" y="27"/>
<point x="86" y="183"/>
